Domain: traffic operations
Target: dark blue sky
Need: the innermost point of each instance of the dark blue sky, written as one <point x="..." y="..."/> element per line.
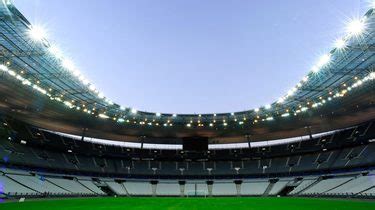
<point x="193" y="56"/>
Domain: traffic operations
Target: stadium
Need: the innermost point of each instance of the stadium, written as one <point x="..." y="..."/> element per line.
<point x="66" y="145"/>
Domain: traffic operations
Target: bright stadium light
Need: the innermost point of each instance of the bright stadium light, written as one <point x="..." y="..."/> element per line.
<point x="323" y="60"/>
<point x="134" y="111"/>
<point x="92" y="87"/>
<point x="55" y="51"/>
<point x="101" y="95"/>
<point x="340" y="44"/>
<point x="268" y="106"/>
<point x="37" y="33"/>
<point x="372" y="4"/>
<point x="85" y="81"/>
<point x="285" y="114"/>
<point x="315" y="69"/>
<point x="76" y="72"/>
<point x="3" y="67"/>
<point x="68" y="64"/>
<point x="355" y="27"/>
<point x="158" y="114"/>
<point x="269" y="118"/>
<point x="281" y="100"/>
<point x="104" y="116"/>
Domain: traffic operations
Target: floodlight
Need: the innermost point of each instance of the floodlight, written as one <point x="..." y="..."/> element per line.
<point x="55" y="51"/>
<point x="37" y="33"/>
<point x="324" y="60"/>
<point x="340" y="44"/>
<point x="134" y="111"/>
<point x="355" y="27"/>
<point x="68" y="64"/>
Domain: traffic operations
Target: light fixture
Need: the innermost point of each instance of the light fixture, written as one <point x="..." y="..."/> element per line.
<point x="101" y="95"/>
<point x="92" y="87"/>
<point x="37" y="33"/>
<point x="134" y="111"/>
<point x="55" y="51"/>
<point x="68" y="64"/>
<point x="323" y="60"/>
<point x="3" y="67"/>
<point x="285" y="114"/>
<point x="104" y="116"/>
<point x="355" y="27"/>
<point x="281" y="100"/>
<point x="269" y="118"/>
<point x="340" y="44"/>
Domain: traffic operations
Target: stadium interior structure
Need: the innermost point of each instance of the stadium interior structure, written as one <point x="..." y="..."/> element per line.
<point x="61" y="137"/>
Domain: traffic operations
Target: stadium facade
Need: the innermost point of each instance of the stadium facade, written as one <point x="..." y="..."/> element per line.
<point x="60" y="136"/>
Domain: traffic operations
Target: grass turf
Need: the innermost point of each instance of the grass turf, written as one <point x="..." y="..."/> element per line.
<point x="191" y="204"/>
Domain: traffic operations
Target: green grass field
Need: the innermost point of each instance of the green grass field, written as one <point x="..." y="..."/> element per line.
<point x="191" y="204"/>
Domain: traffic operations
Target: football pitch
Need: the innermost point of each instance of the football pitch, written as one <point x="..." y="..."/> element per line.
<point x="190" y="204"/>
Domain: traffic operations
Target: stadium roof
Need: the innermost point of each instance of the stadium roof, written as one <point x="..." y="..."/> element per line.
<point x="42" y="87"/>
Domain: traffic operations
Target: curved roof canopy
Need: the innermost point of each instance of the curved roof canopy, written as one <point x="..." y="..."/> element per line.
<point x="42" y="87"/>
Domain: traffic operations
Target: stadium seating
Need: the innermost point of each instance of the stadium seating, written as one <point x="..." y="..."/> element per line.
<point x="278" y="186"/>
<point x="326" y="185"/>
<point x="304" y="184"/>
<point x="273" y="168"/>
<point x="168" y="189"/>
<point x="224" y="189"/>
<point x="38" y="184"/>
<point x="91" y="186"/>
<point x="196" y="189"/>
<point x="254" y="188"/>
<point x="10" y="187"/>
<point x="116" y="187"/>
<point x="71" y="185"/>
<point x="138" y="188"/>
<point x="355" y="186"/>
